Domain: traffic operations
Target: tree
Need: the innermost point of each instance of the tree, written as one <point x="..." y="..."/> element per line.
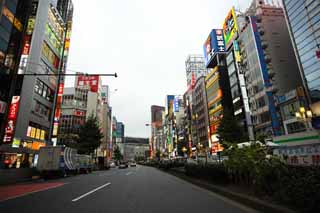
<point x="68" y="139"/>
<point x="229" y="130"/>
<point x="90" y="136"/>
<point x="117" y="154"/>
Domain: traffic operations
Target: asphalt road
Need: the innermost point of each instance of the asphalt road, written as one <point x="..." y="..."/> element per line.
<point x="137" y="190"/>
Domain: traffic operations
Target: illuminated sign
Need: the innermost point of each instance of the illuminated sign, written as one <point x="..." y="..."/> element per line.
<point x="213" y="45"/>
<point x="230" y="27"/>
<point x="79" y="113"/>
<point x="7" y="13"/>
<point x="176" y="104"/>
<point x="16" y="143"/>
<point x="91" y="81"/>
<point x="12" y="117"/>
<point x="236" y="51"/>
<point x="50" y="55"/>
<point x="216" y="147"/>
<point x="36" y="145"/>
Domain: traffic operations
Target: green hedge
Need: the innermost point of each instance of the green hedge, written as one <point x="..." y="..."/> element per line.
<point x="295" y="186"/>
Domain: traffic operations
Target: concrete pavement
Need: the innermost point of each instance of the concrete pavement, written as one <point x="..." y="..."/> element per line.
<point x="138" y="189"/>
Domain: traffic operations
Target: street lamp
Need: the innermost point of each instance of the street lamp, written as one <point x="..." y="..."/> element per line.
<point x="305" y="116"/>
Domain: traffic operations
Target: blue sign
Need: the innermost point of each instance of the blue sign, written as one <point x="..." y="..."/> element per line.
<point x="213" y="45"/>
<point x="176" y="104"/>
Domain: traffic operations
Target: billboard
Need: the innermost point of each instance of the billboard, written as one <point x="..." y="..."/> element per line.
<point x="176" y="104"/>
<point x="213" y="45"/>
<point x="230" y="27"/>
<point x="12" y="117"/>
<point x="92" y="81"/>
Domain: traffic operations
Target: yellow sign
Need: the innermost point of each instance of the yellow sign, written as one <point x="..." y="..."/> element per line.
<point x="230" y="27"/>
<point x="42" y="135"/>
<point x="38" y="132"/>
<point x="33" y="132"/>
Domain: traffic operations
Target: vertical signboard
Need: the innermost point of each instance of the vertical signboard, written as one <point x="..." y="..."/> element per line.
<point x="176" y="104"/>
<point x="27" y="39"/>
<point x="230" y="27"/>
<point x="213" y="45"/>
<point x="12" y="117"/>
<point x="57" y="113"/>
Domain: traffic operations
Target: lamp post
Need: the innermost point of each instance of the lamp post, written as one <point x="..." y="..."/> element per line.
<point x="305" y="116"/>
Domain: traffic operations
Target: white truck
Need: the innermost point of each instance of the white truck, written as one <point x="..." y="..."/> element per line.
<point x="62" y="161"/>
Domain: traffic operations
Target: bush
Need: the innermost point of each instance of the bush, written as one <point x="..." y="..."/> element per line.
<point x="295" y="186"/>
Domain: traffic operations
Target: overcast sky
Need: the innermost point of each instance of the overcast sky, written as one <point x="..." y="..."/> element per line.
<point x="146" y="42"/>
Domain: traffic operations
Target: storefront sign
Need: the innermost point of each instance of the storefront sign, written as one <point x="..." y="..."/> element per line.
<point x="16" y="143"/>
<point x="92" y="81"/>
<point x="300" y="155"/>
<point x="36" y="145"/>
<point x="12" y="116"/>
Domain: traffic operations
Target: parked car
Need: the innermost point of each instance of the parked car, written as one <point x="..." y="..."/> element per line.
<point x="133" y="164"/>
<point x="112" y="165"/>
<point x="123" y="165"/>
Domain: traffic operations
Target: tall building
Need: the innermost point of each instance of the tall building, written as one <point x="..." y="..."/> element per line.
<point x="231" y="25"/>
<point x="135" y="147"/>
<point x="303" y="21"/>
<point x="73" y="110"/>
<point x="195" y="68"/>
<point x="217" y="83"/>
<point x="43" y="54"/>
<point x="13" y="19"/>
<point x="270" y="68"/>
<point x="13" y="24"/>
<point x="200" y="111"/>
<point x="157" y="128"/>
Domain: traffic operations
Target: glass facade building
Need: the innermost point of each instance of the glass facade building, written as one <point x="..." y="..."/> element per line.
<point x="303" y="19"/>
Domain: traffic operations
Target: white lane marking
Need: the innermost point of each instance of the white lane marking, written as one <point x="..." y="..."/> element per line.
<point x="92" y="191"/>
<point x="129" y="173"/>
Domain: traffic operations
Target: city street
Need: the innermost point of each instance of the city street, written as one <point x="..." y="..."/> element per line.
<point x="138" y="189"/>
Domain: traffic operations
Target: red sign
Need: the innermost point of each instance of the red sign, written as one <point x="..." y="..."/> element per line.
<point x="79" y="113"/>
<point x="89" y="80"/>
<point x="60" y="91"/>
<point x="12" y="117"/>
<point x="318" y="54"/>
<point x="193" y="80"/>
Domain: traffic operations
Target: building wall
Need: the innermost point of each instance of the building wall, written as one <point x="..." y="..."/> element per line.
<point x="29" y="98"/>
<point x="304" y="25"/>
<point x="201" y="111"/>
<point x="10" y="54"/>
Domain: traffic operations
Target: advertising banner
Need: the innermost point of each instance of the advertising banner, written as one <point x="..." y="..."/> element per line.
<point x="92" y="81"/>
<point x="12" y="117"/>
<point x="230" y="27"/>
<point x="176" y="104"/>
<point x="213" y="45"/>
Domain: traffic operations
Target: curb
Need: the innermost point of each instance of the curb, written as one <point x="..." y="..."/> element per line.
<point x="252" y="202"/>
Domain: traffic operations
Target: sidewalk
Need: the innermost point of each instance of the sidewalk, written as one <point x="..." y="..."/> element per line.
<point x="18" y="190"/>
<point x="234" y="194"/>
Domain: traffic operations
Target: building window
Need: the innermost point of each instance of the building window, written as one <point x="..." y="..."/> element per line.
<point x="296" y="127"/>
